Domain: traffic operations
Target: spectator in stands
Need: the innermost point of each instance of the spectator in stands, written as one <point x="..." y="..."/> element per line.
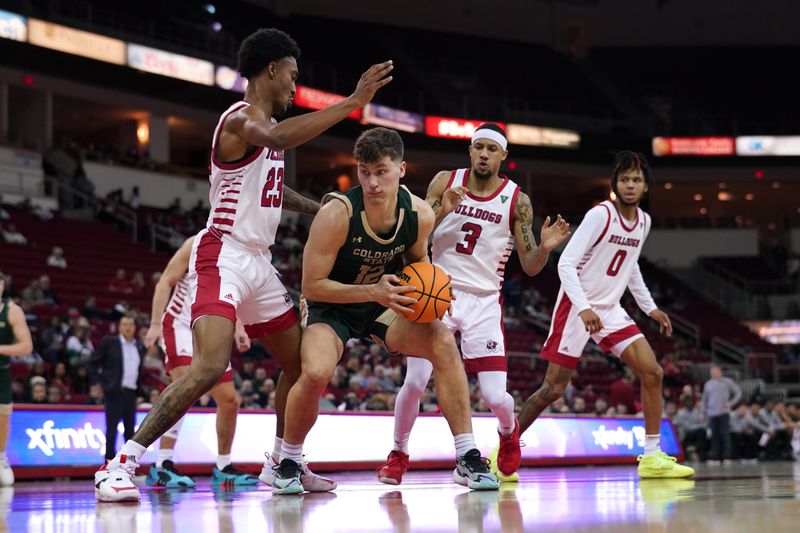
<point x="120" y="309"/>
<point x="138" y="283"/>
<point x="692" y="428"/>
<point x="600" y="407"/>
<point x="38" y="390"/>
<point x="52" y="340"/>
<point x="778" y="441"/>
<point x="135" y="201"/>
<point x="120" y="283"/>
<point x="579" y="405"/>
<point x="59" y="378"/>
<point x="18" y="393"/>
<point x="96" y="395"/>
<point x="56" y="258"/>
<point x="623" y="393"/>
<point x="743" y="433"/>
<point x="42" y="213"/>
<point x="80" y="380"/>
<point x="79" y="345"/>
<point x="54" y="395"/>
<point x="33" y="294"/>
<point x="11" y="235"/>
<point x="719" y="394"/>
<point x="48" y="294"/>
<point x="91" y="311"/>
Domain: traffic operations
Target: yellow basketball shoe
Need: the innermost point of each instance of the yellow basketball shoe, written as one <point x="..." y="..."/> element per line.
<point x="513" y="478"/>
<point x="661" y="465"/>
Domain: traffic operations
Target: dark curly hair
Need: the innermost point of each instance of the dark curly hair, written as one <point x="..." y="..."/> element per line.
<point x="627" y="160"/>
<point x="263" y="47"/>
<point x="375" y="143"/>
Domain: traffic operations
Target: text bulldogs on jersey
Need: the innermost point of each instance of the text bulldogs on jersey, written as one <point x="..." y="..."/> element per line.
<point x="623" y="241"/>
<point x="481" y="214"/>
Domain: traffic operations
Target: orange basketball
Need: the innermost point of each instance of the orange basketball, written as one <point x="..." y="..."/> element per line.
<point x="433" y="291"/>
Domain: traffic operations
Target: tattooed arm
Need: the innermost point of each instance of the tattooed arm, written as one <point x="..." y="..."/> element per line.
<point x="533" y="257"/>
<point x="441" y="199"/>
<point x="294" y="201"/>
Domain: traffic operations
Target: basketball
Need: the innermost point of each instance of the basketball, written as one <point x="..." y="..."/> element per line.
<point x="433" y="292"/>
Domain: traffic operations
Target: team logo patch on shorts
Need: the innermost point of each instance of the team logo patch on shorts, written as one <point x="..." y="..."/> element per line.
<point x="287" y="298"/>
<point x="491" y="346"/>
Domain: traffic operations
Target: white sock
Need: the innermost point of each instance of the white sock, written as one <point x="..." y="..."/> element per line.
<point x="652" y="444"/>
<point x="464" y="443"/>
<point x="223" y="460"/>
<point x="292" y="451"/>
<point x="132" y="450"/>
<point x="3" y="457"/>
<point x="276" y="449"/>
<point x="493" y="390"/>
<point x="164" y="454"/>
<point x="406" y="405"/>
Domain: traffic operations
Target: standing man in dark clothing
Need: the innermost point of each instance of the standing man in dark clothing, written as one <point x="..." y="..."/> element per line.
<point x="719" y="394"/>
<point x="117" y="365"/>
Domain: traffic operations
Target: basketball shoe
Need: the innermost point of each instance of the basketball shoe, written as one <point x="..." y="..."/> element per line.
<point x="287" y="478"/>
<point x="231" y="476"/>
<point x="392" y="471"/>
<point x="168" y="476"/>
<point x="513" y="478"/>
<point x="509" y="455"/>
<point x="6" y="474"/>
<point x="311" y="482"/>
<point x="112" y="483"/>
<point x="661" y="465"/>
<point x="472" y="471"/>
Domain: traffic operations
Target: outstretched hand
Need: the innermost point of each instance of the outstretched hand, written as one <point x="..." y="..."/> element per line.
<point x="552" y="236"/>
<point x="452" y="198"/>
<point x="373" y="79"/>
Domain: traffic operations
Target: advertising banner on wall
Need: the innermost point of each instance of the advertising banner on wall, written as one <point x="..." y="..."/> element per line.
<point x="13" y="26"/>
<point x="390" y="117"/>
<point x="453" y="128"/>
<point x="77" y="42"/>
<point x="768" y="145"/>
<point x="694" y="146"/>
<point x="536" y="136"/>
<point x="316" y="99"/>
<point x="172" y="65"/>
<point x="77" y="437"/>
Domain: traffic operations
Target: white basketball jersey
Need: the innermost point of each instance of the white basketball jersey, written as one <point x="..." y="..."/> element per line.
<point x="474" y="242"/>
<point x="180" y="303"/>
<point x="246" y="196"/>
<point x="606" y="267"/>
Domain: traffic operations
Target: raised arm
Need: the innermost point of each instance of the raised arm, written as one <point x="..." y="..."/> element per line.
<point x="533" y="258"/>
<point x="22" y="344"/>
<point x="441" y="199"/>
<point x="294" y="201"/>
<point x="175" y="270"/>
<point x="256" y="129"/>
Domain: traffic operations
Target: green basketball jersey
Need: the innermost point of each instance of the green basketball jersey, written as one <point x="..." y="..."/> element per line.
<point x="6" y="332"/>
<point x="362" y="260"/>
<point x="366" y="256"/>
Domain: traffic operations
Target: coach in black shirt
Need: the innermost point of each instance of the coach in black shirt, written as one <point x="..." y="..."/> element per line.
<point x="117" y="365"/>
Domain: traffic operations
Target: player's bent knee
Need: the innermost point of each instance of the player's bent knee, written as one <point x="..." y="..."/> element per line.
<point x="317" y="376"/>
<point x="653" y="375"/>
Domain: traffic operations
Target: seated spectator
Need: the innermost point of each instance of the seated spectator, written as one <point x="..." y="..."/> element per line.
<point x="91" y="311"/>
<point x="38" y="390"/>
<point x="134" y="202"/>
<point x="95" y="394"/>
<point x="578" y="405"/>
<point x="623" y="393"/>
<point x="49" y="295"/>
<point x="138" y="283"/>
<point x="60" y="378"/>
<point x="4" y="215"/>
<point x="79" y="345"/>
<point x="152" y="398"/>
<point x="778" y="445"/>
<point x="52" y="340"/>
<point x="744" y="435"/>
<point x="42" y="213"/>
<point x="80" y="380"/>
<point x="18" y="391"/>
<point x="33" y="295"/>
<point x="692" y="427"/>
<point x="600" y="407"/>
<point x="11" y="235"/>
<point x="120" y="283"/>
<point x="54" y="395"/>
<point x="56" y="258"/>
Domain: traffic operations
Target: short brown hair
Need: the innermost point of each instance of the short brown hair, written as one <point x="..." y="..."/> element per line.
<point x="375" y="143"/>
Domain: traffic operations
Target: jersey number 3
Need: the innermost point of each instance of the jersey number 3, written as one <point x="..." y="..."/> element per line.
<point x="272" y="194"/>
<point x="473" y="231"/>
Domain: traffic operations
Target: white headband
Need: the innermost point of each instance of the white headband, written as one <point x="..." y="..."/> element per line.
<point x="492" y="135"/>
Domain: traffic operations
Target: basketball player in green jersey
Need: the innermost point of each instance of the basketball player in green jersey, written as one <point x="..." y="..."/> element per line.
<point x="357" y="242"/>
<point x="15" y="339"/>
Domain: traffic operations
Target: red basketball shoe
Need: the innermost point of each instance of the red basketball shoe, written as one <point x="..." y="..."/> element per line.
<point x="396" y="465"/>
